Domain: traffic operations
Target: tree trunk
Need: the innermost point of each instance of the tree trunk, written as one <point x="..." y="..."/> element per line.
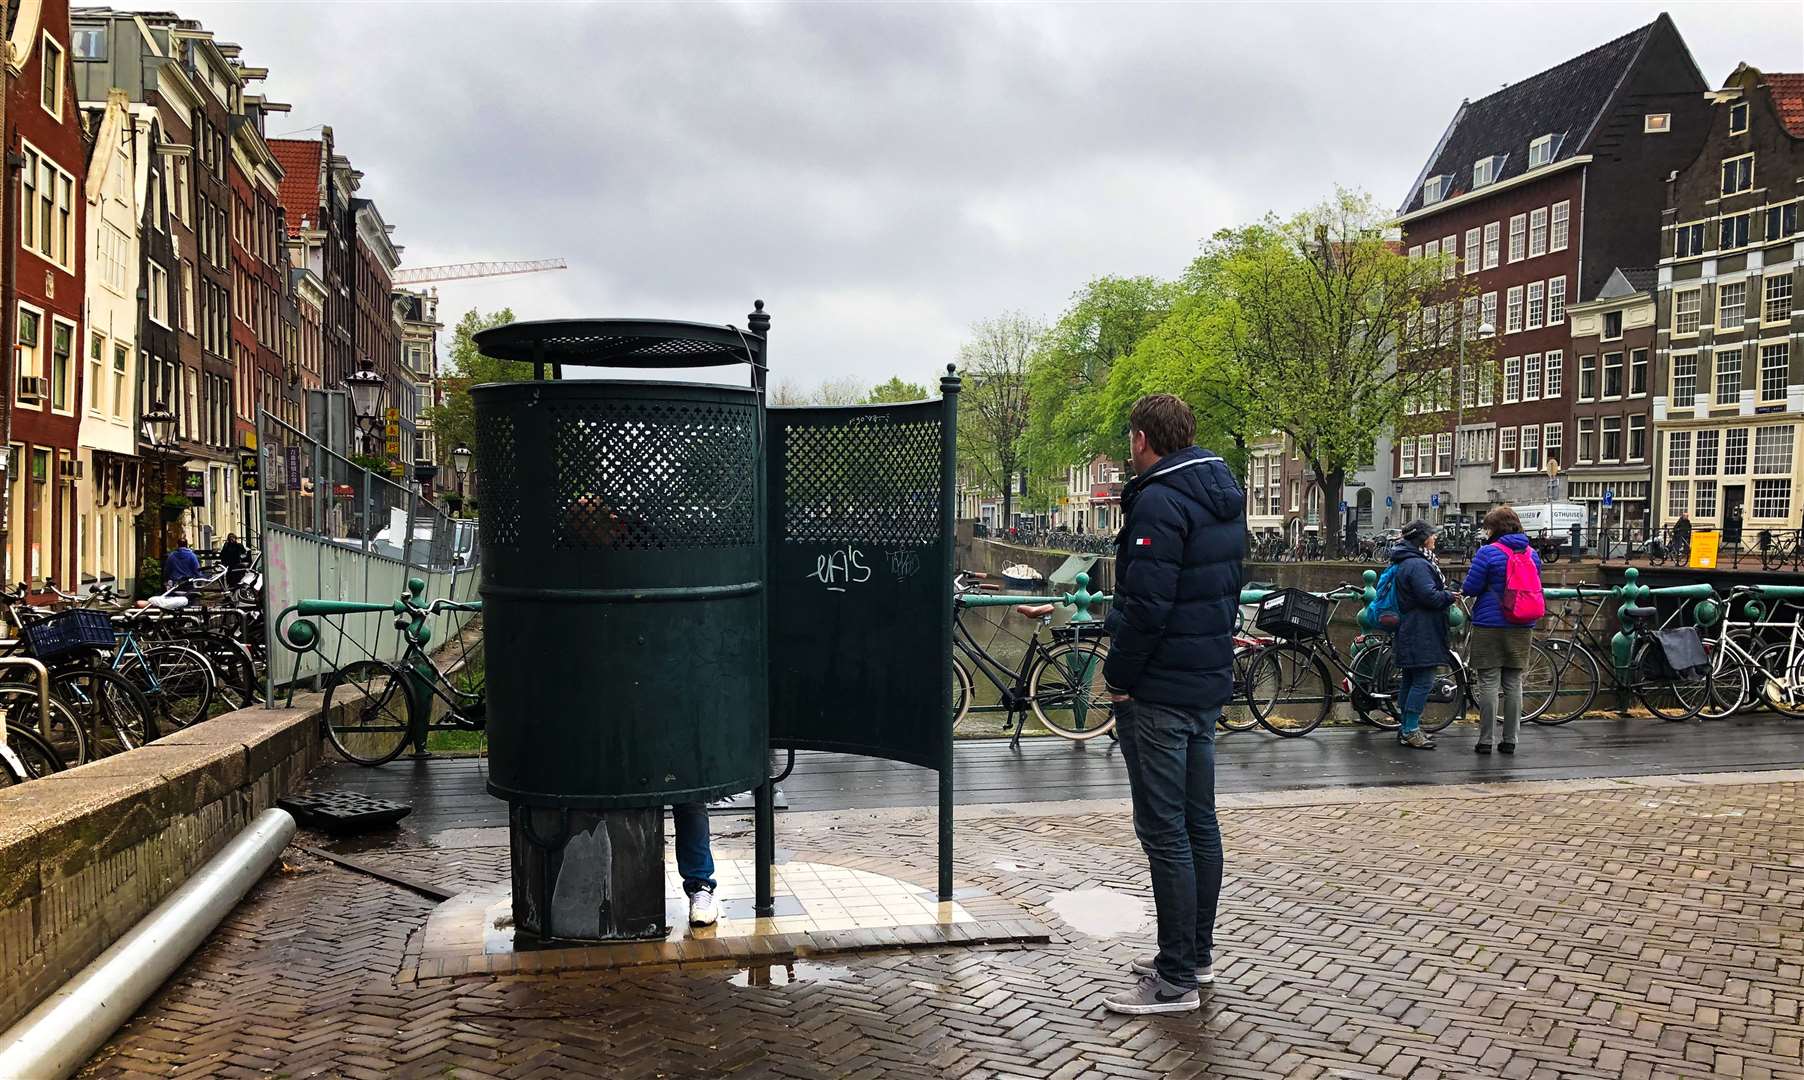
<point x="1334" y="523"/>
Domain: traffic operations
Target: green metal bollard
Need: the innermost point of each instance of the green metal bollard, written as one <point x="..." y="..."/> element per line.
<point x="1622" y="644"/>
<point x="1082" y="598"/>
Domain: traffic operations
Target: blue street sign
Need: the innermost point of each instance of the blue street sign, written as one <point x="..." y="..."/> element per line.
<point x="1434" y="500"/>
<point x="1388" y="501"/>
<point x="1609" y="497"/>
<point x="1343" y="506"/>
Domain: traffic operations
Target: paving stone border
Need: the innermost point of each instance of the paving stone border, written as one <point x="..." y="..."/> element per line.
<point x="86" y="853"/>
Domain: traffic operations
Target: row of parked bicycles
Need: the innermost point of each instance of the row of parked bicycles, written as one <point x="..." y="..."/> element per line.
<point x="1292" y="675"/>
<point x="86" y="676"/>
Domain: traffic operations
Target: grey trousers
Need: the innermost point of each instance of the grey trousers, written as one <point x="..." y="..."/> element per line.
<point x="1486" y="691"/>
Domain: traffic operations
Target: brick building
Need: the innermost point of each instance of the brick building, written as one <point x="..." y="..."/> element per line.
<point x="1541" y="190"/>
<point x="42" y="298"/>
<point x="1731" y="385"/>
<point x="1612" y="352"/>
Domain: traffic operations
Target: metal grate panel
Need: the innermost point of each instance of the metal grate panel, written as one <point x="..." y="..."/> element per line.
<point x="868" y="480"/>
<point x="498" y="489"/>
<point x="635" y="475"/>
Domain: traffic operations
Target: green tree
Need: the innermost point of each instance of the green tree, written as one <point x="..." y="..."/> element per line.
<point x="895" y="392"/>
<point x="1334" y="331"/>
<point x="1072" y="418"/>
<point x="454" y="420"/>
<point x="993" y="404"/>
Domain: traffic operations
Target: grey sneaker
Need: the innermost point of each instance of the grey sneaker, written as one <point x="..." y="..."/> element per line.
<point x="1416" y="740"/>
<point x="1148" y="965"/>
<point x="1153" y="995"/>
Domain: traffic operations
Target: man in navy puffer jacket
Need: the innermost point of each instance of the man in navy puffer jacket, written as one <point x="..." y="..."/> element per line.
<point x="1170" y="670"/>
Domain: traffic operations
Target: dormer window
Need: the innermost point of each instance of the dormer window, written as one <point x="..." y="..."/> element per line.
<point x="1542" y="150"/>
<point x="1738" y="118"/>
<point x="1435" y="188"/>
<point x="1485" y="170"/>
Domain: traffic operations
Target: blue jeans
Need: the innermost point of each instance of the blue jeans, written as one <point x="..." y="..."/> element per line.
<point x="1417" y="684"/>
<point x="695" y="859"/>
<point x="1170" y="758"/>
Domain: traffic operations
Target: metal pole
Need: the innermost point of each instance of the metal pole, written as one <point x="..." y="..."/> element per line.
<point x="764" y="800"/>
<point x="1459" y="422"/>
<point x="949" y="387"/>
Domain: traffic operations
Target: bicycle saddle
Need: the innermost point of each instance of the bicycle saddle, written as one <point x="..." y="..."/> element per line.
<point x="1641" y="613"/>
<point x="1034" y="611"/>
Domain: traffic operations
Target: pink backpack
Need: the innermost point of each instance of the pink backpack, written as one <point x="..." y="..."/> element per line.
<point x="1523" y="601"/>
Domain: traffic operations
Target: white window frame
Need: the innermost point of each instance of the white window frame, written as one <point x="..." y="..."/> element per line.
<point x="1635" y="424"/>
<point x="1682" y="381"/>
<point x="1603" y="432"/>
<point x="1512" y="311"/>
<point x="1470" y="262"/>
<point x="1723" y="320"/>
<point x="1484" y="171"/>
<point x="1537" y="305"/>
<point x="1540" y="151"/>
<point x="97" y="355"/>
<point x="1450" y="251"/>
<point x="1559" y="225"/>
<point x="1679" y="298"/>
<point x="1506" y="445"/>
<point x="1634" y="365"/>
<point x="1487" y="383"/>
<point x="62" y="183"/>
<point x="1518" y="237"/>
<point x="1743" y="106"/>
<point x="1527" y="444"/>
<point x="1678" y="453"/>
<point x="1493" y="234"/>
<point x="1406" y="456"/>
<point x="1587" y="365"/>
<point x="1553" y="374"/>
<point x="1587" y="441"/>
<point x="1724" y="394"/>
<point x="1537" y="232"/>
<point x="1435" y="188"/>
<point x="1556" y="300"/>
<point x="1656" y="123"/>
<point x="1531" y="377"/>
<point x="1512" y="379"/>
<point x="71" y="392"/>
<point x="1443" y="454"/>
<point x="1553" y="438"/>
<point x="1774" y="391"/>
<point x="1487" y="310"/>
<point x="1744" y="177"/>
<point x="50" y="68"/>
<point x="1769" y="300"/>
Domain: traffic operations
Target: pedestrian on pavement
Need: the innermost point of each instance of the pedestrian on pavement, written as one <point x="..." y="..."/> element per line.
<point x="1500" y="646"/>
<point x="232" y="557"/>
<point x="181" y="565"/>
<point x="1419" y="647"/>
<point x="1681" y="539"/>
<point x="1169" y="672"/>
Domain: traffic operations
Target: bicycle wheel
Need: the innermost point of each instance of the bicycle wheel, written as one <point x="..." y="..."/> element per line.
<point x="366" y="712"/>
<point x="1067" y="693"/>
<point x="1731" y="684"/>
<point x="962" y="689"/>
<point x="1781" y="682"/>
<point x="1238" y="714"/>
<point x="1773" y="557"/>
<point x="1289" y="690"/>
<point x="109" y="707"/>
<point x="177" y="681"/>
<point x="1676" y="699"/>
<point x="1372" y="688"/>
<point x="236" y="682"/>
<point x="1449" y="695"/>
<point x="1540" y="681"/>
<point x="1575" y="676"/>
<point x="68" y="738"/>
<point x="35" y="756"/>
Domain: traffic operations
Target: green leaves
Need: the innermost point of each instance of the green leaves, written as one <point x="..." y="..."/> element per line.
<point x="454" y="422"/>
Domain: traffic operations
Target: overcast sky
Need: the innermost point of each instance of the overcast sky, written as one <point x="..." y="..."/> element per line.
<point x="883" y="175"/>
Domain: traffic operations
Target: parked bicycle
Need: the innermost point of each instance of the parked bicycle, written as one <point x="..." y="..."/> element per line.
<point x="1576" y="643"/>
<point x="1059" y="681"/>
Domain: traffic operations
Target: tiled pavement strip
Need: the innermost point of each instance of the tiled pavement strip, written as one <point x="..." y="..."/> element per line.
<point x="1633" y="928"/>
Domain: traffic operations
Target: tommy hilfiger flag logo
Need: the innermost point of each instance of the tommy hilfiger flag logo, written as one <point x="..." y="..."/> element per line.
<point x="1144" y="541"/>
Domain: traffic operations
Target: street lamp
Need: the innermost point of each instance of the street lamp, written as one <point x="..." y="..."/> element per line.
<point x="460" y="464"/>
<point x="159" y="432"/>
<point x="1485" y="329"/>
<point x="365" y="385"/>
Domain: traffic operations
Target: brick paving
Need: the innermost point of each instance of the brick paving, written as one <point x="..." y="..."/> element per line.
<point x="1612" y="929"/>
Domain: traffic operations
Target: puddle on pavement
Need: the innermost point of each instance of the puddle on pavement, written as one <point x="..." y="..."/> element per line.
<point x="1101" y="912"/>
<point x="799" y="971"/>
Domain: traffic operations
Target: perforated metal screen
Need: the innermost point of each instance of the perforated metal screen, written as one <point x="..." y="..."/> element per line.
<point x="860" y="632"/>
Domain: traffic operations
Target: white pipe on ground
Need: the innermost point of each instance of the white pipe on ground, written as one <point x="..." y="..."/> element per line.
<point x="57" y="1038"/>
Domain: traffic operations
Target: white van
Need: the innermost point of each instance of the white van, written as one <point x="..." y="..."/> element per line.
<point x="1552" y="519"/>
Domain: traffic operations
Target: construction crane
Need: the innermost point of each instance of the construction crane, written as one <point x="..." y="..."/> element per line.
<point x="426" y="275"/>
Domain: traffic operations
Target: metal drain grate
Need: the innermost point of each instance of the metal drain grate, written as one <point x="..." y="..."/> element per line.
<point x="343" y="811"/>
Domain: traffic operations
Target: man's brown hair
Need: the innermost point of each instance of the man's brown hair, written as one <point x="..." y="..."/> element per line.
<point x="1167" y="422"/>
<point x="1502" y="521"/>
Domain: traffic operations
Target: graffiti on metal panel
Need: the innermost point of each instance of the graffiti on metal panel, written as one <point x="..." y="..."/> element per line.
<point x="841" y="567"/>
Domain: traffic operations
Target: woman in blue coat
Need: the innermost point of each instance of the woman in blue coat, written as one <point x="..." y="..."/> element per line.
<point x="1419" y="647"/>
<point x="1500" y="648"/>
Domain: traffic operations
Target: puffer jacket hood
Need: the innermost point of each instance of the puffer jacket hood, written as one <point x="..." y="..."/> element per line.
<point x="1198" y="474"/>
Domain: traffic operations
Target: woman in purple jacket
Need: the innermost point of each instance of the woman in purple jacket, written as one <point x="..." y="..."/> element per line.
<point x="1500" y="648"/>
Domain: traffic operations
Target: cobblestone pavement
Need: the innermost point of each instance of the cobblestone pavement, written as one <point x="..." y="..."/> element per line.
<point x="1609" y="929"/>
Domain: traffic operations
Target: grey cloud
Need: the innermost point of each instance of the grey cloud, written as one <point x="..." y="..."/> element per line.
<point x="884" y="174"/>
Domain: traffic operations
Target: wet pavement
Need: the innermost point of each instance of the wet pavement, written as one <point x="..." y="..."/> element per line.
<point x="450" y="793"/>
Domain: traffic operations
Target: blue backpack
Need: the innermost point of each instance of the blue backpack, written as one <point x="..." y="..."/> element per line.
<point x="1383" y="612"/>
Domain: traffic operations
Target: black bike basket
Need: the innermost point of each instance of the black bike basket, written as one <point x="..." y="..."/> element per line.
<point x="1084" y="631"/>
<point x="72" y="631"/>
<point x="1293" y="613"/>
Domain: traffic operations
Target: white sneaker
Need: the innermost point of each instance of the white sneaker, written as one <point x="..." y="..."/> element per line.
<point x="703" y="911"/>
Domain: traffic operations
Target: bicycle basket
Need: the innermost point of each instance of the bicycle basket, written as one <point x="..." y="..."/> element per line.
<point x="1293" y="613"/>
<point x="1084" y="631"/>
<point x="72" y="631"/>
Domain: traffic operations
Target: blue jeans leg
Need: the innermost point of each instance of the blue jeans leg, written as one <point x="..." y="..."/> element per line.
<point x="694" y="856"/>
<point x="1416" y="685"/>
<point x="1170" y="758"/>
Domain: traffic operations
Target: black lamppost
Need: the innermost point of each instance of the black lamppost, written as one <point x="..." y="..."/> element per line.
<point x="460" y="467"/>
<point x="159" y="434"/>
<point x="365" y="385"/>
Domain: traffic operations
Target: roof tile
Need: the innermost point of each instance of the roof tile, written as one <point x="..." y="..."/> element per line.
<point x="300" y="193"/>
<point x="1788" y="98"/>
